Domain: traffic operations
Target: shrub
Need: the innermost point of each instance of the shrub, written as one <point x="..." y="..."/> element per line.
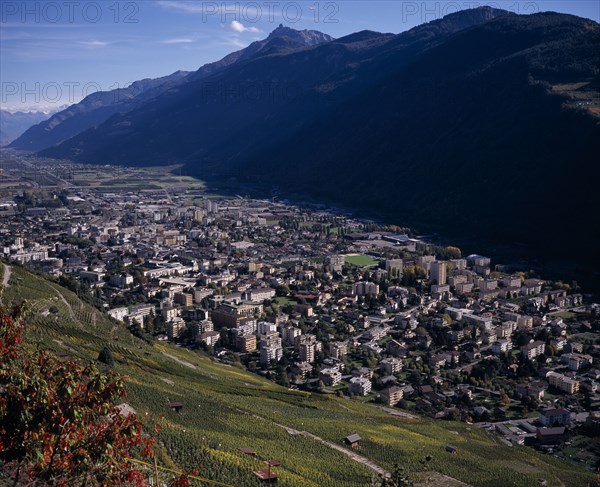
<point x="59" y="423"/>
<point x="106" y="357"/>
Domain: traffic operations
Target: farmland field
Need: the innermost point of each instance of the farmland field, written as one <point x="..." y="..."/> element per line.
<point x="226" y="408"/>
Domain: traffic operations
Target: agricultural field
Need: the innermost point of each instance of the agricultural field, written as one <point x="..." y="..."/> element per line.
<point x="360" y="260"/>
<point x="33" y="174"/>
<point x="226" y="408"/>
<point x="133" y="179"/>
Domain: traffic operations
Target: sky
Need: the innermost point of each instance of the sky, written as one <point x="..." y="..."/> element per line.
<point x="53" y="53"/>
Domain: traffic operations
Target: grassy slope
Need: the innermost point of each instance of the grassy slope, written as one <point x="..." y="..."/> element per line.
<point x="226" y="408"/>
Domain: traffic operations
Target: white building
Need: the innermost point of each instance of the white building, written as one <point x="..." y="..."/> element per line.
<point x="360" y="385"/>
<point x="363" y="288"/>
<point x="501" y="346"/>
<point x="391" y="366"/>
<point x="330" y="377"/>
<point x="437" y="272"/>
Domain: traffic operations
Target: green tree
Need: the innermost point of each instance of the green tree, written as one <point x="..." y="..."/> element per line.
<point x="453" y="252"/>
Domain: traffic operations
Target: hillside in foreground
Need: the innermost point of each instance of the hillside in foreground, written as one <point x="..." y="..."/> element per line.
<point x="226" y="408"/>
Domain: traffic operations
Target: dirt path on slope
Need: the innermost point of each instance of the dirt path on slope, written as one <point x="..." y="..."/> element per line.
<point x="402" y="414"/>
<point x="69" y="307"/>
<point x="436" y="479"/>
<point x="179" y="361"/>
<point x="353" y="455"/>
<point x="6" y="275"/>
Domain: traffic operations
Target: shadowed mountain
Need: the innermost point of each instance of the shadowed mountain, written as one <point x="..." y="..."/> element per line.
<point x="481" y="124"/>
<point x="492" y="134"/>
<point x="199" y="117"/>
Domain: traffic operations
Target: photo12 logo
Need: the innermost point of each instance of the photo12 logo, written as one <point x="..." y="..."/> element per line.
<point x="252" y="12"/>
<point x="422" y="12"/>
<point x="53" y="92"/>
<point x="68" y="12"/>
<point x="69" y="92"/>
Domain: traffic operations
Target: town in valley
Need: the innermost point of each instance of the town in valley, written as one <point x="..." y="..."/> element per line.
<point x="315" y="299"/>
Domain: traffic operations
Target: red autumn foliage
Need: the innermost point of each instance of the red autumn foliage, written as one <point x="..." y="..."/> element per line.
<point x="59" y="424"/>
<point x="181" y="481"/>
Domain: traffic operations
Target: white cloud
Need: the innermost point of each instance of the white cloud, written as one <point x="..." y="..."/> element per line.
<point x="178" y="40"/>
<point x="94" y="43"/>
<point x="239" y="27"/>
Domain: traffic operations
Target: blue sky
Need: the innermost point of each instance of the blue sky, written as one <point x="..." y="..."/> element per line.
<point x="55" y="52"/>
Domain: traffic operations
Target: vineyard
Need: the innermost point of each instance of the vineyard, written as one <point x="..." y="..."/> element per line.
<point x="226" y="408"/>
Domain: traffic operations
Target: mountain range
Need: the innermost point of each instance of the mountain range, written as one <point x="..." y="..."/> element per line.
<point x="100" y="106"/>
<point x="482" y="124"/>
<point x="13" y="124"/>
<point x="93" y="110"/>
